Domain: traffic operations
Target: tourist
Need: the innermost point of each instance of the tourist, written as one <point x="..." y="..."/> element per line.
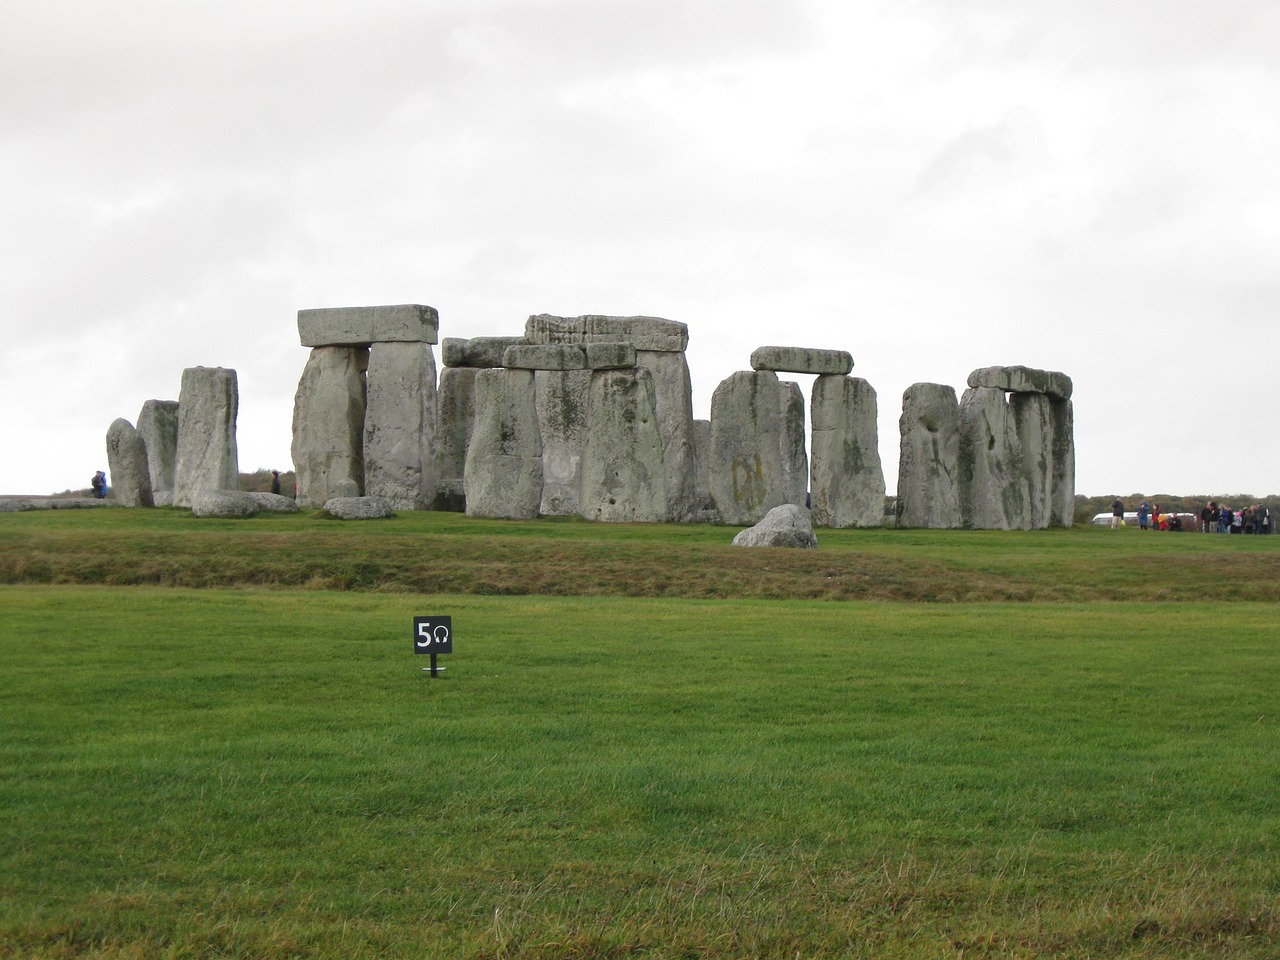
<point x="99" y="484"/>
<point x="275" y="481"/>
<point x="1117" y="513"/>
<point x="1207" y="514"/>
<point x="1264" y="522"/>
<point x="1144" y="509"/>
<point x="1224" y="519"/>
<point x="1237" y="522"/>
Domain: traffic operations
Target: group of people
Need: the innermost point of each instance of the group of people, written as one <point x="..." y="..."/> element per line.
<point x="1213" y="518"/>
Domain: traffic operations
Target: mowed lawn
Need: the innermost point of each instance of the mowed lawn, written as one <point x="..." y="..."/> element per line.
<point x="270" y="773"/>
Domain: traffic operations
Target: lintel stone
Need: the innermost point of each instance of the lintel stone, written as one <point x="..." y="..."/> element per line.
<point x="610" y="356"/>
<point x="354" y="326"/>
<point x="1023" y="380"/>
<point x="545" y="356"/>
<point x="479" y="352"/>
<point x="802" y="360"/>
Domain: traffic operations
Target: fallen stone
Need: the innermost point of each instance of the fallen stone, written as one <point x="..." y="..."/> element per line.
<point x="847" y="479"/>
<point x="361" y="326"/>
<point x="223" y="503"/>
<point x="622" y="473"/>
<point x="503" y="476"/>
<point x="400" y="425"/>
<point x="787" y="525"/>
<point x="801" y="360"/>
<point x="207" y="458"/>
<point x="273" y="502"/>
<point x="127" y="463"/>
<point x="1022" y="380"/>
<point x="928" y="459"/>
<point x="328" y="423"/>
<point x="478" y="352"/>
<point x="359" y="508"/>
<point x="158" y="427"/>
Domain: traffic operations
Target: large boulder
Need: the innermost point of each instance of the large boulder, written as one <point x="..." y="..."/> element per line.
<point x="787" y="525"/>
<point x="158" y="427"/>
<point x="127" y="461"/>
<point x="207" y="458"/>
<point x="928" y="459"/>
<point x="622" y="473"/>
<point x="328" y="423"/>
<point x="273" y="502"/>
<point x="503" y="475"/>
<point x="223" y="503"/>
<point x="359" y="508"/>
<point x="847" y="478"/>
<point x="400" y="425"/>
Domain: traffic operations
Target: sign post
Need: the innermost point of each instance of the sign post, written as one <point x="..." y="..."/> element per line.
<point x="433" y="635"/>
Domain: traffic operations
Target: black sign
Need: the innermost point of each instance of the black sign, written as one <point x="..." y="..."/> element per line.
<point x="433" y="634"/>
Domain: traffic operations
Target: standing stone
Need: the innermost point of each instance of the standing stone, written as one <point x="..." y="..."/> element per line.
<point x="1062" y="496"/>
<point x="328" y="423"/>
<point x="622" y="474"/>
<point x="745" y="464"/>
<point x="795" y="461"/>
<point x="400" y="425"/>
<point x="1033" y="420"/>
<point x="504" y="459"/>
<point x="455" y="419"/>
<point x="207" y="458"/>
<point x="703" y="508"/>
<point x="561" y="397"/>
<point x="848" y="479"/>
<point x="158" y="427"/>
<point x="928" y="465"/>
<point x="993" y="483"/>
<point x="127" y="461"/>
<point x="673" y="399"/>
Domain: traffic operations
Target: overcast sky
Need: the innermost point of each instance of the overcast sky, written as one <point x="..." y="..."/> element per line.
<point x="934" y="186"/>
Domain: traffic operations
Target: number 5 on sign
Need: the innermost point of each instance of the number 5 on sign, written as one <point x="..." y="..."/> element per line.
<point x="433" y="634"/>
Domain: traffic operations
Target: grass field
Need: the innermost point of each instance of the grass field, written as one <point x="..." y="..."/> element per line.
<point x="266" y="771"/>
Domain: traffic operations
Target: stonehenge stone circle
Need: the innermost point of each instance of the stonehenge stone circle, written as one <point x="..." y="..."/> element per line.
<point x="158" y="427"/>
<point x="503" y="475"/>
<point x="928" y="464"/>
<point x="786" y="525"/>
<point x="127" y="463"/>
<point x="207" y="458"/>
<point x="361" y="326"/>
<point x="328" y="422"/>
<point x="801" y="360"/>
<point x="400" y="424"/>
<point x="745" y="458"/>
<point x="623" y="478"/>
<point x="994" y="489"/>
<point x="847" y="479"/>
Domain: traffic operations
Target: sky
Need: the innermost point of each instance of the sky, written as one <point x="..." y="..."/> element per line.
<point x="934" y="186"/>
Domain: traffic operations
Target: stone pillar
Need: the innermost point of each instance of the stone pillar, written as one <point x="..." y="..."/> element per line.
<point x="791" y="451"/>
<point x="207" y="459"/>
<point x="847" y="485"/>
<point x="703" y="507"/>
<point x="1062" y="494"/>
<point x="1033" y="420"/>
<point x="400" y="424"/>
<point x="928" y="470"/>
<point x="456" y="417"/>
<point x="503" y="475"/>
<point x="745" y="463"/>
<point x="127" y="461"/>
<point x="562" y="423"/>
<point x="328" y="424"/>
<point x="623" y="474"/>
<point x="993" y="486"/>
<point x="158" y="427"/>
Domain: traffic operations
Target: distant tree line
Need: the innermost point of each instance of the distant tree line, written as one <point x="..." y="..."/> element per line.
<point x="1089" y="507"/>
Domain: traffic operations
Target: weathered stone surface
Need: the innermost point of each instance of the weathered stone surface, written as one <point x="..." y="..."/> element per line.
<point x="359" y="508"/>
<point x="127" y="462"/>
<point x="545" y="356"/>
<point x="745" y="463"/>
<point x="328" y="423"/>
<point x="1022" y="380"/>
<point x="787" y="525"/>
<point x="158" y="427"/>
<point x="273" y="502"/>
<point x="1033" y="420"/>
<point x="704" y="510"/>
<point x="223" y="503"/>
<point x="561" y="397"/>
<point x="504" y="459"/>
<point x="479" y="352"/>
<point x="400" y="425"/>
<point x="610" y="356"/>
<point x="622" y="475"/>
<point x="993" y="484"/>
<point x="22" y="504"/>
<point x="1062" y="495"/>
<point x="644" y="333"/>
<point x="673" y="398"/>
<point x="361" y="326"/>
<point x="162" y="498"/>
<point x="795" y="460"/>
<point x="801" y="360"/>
<point x="207" y="458"/>
<point x="928" y="464"/>
<point x="455" y="419"/>
<point x="847" y="479"/>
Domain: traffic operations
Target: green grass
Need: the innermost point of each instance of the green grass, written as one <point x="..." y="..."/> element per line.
<point x="269" y="773"/>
